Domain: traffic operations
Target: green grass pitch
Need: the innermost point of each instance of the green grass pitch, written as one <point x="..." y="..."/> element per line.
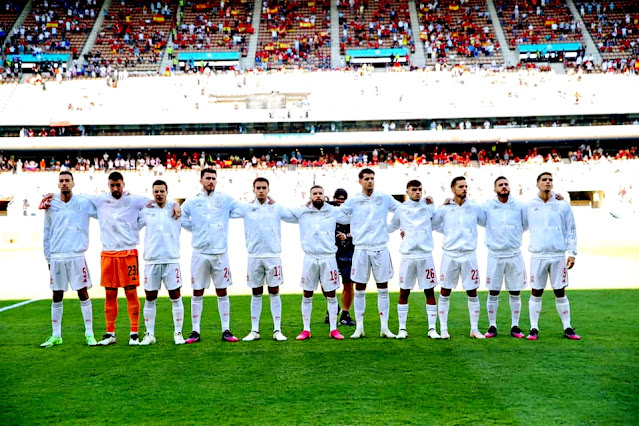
<point x="322" y="381"/>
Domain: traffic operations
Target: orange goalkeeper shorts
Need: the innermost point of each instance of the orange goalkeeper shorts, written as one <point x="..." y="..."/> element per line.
<point x="119" y="269"/>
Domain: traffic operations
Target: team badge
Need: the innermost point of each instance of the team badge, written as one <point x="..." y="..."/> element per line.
<point x="378" y="201"/>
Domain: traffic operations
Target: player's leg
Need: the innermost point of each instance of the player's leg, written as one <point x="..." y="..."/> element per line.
<point x="309" y="281"/>
<point x="382" y="268"/>
<point x="307" y="309"/>
<point x="149" y="313"/>
<point x="201" y="270"/>
<point x="56" y="320"/>
<point x="80" y="280"/>
<point x="109" y="279"/>
<point x="407" y="278"/>
<point x="428" y="284"/>
<point x="128" y="272"/>
<point x="177" y="309"/>
<point x="360" y="273"/>
<point x="86" y="308"/>
<point x="559" y="282"/>
<point x="275" y="278"/>
<point x="448" y="279"/>
<point x="470" y="279"/>
<point x="515" y="277"/>
<point x="344" y="265"/>
<point x="539" y="269"/>
<point x="402" y="312"/>
<point x="329" y="278"/>
<point x="494" y="278"/>
<point x="255" y="281"/>
<point x="222" y="280"/>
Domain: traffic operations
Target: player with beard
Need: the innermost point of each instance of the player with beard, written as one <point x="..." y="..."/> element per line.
<point x="317" y="234"/>
<point x="458" y="221"/>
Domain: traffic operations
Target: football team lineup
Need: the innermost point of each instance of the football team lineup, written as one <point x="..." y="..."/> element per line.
<point x="367" y="211"/>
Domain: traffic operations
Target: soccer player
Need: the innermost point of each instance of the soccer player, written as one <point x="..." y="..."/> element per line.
<point x="414" y="217"/>
<point x="263" y="234"/>
<point x="344" y="255"/>
<point x="161" y="258"/>
<point x="458" y="222"/>
<point x="368" y="213"/>
<point x="552" y="233"/>
<point x="66" y="239"/>
<point x="505" y="224"/>
<point x="317" y="230"/>
<point x="207" y="217"/>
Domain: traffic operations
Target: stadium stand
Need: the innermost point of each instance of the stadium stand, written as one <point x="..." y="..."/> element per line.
<point x="454" y="31"/>
<point x="9" y="12"/>
<point x="55" y="26"/>
<point x="531" y="22"/>
<point x="135" y="33"/>
<point x="216" y="26"/>
<point x="294" y="33"/>
<point x="375" y="25"/>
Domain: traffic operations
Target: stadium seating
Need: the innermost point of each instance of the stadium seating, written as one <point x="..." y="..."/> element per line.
<point x="373" y="25"/>
<point x="453" y="33"/>
<point x="294" y="33"/>
<point x="206" y="26"/>
<point x="528" y="22"/>
<point x="56" y="26"/>
<point x="615" y="30"/>
<point x="135" y="33"/>
<point x="9" y="11"/>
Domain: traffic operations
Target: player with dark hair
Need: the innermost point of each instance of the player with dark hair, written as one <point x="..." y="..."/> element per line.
<point x="66" y="239"/>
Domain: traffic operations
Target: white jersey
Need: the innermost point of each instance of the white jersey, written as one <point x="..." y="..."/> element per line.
<point x="162" y="236"/>
<point x="317" y="229"/>
<point x="505" y="224"/>
<point x="207" y="217"/>
<point x="414" y="218"/>
<point x="368" y="218"/>
<point x="118" y="220"/>
<point x="459" y="225"/>
<point x="66" y="227"/>
<point x="262" y="227"/>
<point x="552" y="228"/>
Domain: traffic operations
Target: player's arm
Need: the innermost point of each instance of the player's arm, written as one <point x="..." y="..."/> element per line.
<point x="141" y="219"/>
<point x="186" y="216"/>
<point x="239" y="210"/>
<point x="524" y="216"/>
<point x="570" y="234"/>
<point x="46" y="240"/>
<point x="287" y="214"/>
<point x="394" y="223"/>
<point x="344" y="212"/>
<point x="393" y="204"/>
<point x="481" y="215"/>
<point x="438" y="219"/>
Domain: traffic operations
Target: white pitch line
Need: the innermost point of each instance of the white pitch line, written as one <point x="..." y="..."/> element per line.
<point x="17" y="305"/>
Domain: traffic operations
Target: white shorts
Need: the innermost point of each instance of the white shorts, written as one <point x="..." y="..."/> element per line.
<point x="420" y="270"/>
<point x="377" y="260"/>
<point x="542" y="269"/>
<point x="169" y="273"/>
<point x="466" y="264"/>
<point x="205" y="267"/>
<point x="510" y="269"/>
<point x="264" y="269"/>
<point x="319" y="270"/>
<point x="72" y="271"/>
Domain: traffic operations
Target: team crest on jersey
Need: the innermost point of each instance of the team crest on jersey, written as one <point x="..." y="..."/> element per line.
<point x="378" y="201"/>
<point x="217" y="203"/>
<point x="422" y="210"/>
<point x="127" y="202"/>
<point x="467" y="209"/>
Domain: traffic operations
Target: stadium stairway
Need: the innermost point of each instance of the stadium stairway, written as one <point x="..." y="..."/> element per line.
<point x="591" y="47"/>
<point x="88" y="45"/>
<point x="336" y="58"/>
<point x="19" y="21"/>
<point x="419" y="57"/>
<point x="510" y="56"/>
<point x="249" y="61"/>
<point x="166" y="61"/>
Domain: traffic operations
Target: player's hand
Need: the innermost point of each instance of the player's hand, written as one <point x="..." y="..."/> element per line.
<point x="448" y="201"/>
<point x="270" y="200"/>
<point x="342" y="236"/>
<point x="149" y="205"/>
<point x="559" y="197"/>
<point x="402" y="233"/>
<point x="429" y="199"/>
<point x="177" y="211"/>
<point x="570" y="262"/>
<point x="46" y="201"/>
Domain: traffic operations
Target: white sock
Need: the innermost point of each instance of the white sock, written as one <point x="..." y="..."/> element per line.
<point x="56" y="318"/>
<point x="444" y="304"/>
<point x="402" y="315"/>
<point x="197" y="302"/>
<point x="515" y="310"/>
<point x="149" y="316"/>
<point x="87" y="315"/>
<point x="473" y="311"/>
<point x="563" y="309"/>
<point x="256" y="312"/>
<point x="534" y="308"/>
<point x="276" y="311"/>
<point x="383" y="306"/>
<point x="360" y="308"/>
<point x="431" y="313"/>
<point x="331" y="304"/>
<point x="224" y="308"/>
<point x="178" y="314"/>
<point x="307" y="308"/>
<point x="492" y="304"/>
